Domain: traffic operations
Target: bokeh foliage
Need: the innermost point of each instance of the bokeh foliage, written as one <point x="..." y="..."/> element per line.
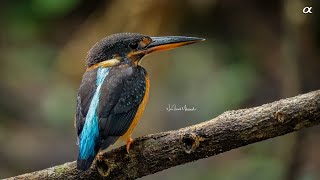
<point x="256" y="52"/>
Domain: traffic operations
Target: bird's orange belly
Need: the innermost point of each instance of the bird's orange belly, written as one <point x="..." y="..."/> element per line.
<point x="139" y="113"/>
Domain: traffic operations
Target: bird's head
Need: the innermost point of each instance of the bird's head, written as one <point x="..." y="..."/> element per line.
<point x="131" y="47"/>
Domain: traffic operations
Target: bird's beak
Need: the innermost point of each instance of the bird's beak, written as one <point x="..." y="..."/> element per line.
<point x="169" y="42"/>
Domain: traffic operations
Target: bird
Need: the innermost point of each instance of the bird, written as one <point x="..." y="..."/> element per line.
<point x="114" y="90"/>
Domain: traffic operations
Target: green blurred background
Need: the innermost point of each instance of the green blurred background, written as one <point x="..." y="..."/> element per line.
<point x="256" y="52"/>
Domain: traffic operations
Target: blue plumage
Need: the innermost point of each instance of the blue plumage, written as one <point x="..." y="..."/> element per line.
<point x="90" y="132"/>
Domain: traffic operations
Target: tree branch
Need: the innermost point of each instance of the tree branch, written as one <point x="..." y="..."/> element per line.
<point x="232" y="129"/>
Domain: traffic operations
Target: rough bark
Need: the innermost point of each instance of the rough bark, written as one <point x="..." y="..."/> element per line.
<point x="232" y="129"/>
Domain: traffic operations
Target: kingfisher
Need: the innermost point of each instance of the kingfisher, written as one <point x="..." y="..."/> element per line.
<point x="114" y="90"/>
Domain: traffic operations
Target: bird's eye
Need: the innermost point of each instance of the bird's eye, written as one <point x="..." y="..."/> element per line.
<point x="133" y="45"/>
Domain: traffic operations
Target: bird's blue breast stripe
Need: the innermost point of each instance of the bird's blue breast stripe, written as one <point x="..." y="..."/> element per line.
<point x="90" y="131"/>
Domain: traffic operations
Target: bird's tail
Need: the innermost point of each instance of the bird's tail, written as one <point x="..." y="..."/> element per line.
<point x="84" y="164"/>
<point x="87" y="153"/>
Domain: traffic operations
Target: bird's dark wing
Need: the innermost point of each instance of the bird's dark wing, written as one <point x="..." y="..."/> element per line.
<point x="86" y="91"/>
<point x="119" y="101"/>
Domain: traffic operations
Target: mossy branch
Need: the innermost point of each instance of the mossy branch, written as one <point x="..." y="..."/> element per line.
<point x="232" y="129"/>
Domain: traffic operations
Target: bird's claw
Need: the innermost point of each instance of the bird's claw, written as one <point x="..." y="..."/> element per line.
<point x="100" y="156"/>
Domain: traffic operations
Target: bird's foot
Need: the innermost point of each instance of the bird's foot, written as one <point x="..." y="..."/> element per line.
<point x="129" y="141"/>
<point x="100" y="156"/>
